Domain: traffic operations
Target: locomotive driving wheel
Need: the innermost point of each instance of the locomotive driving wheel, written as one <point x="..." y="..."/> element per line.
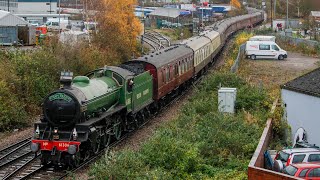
<point x="75" y="160"/>
<point x="140" y="118"/>
<point x="117" y="127"/>
<point x="97" y="143"/>
<point x="106" y="139"/>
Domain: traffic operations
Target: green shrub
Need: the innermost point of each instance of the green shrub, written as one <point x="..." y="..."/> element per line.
<point x="32" y="75"/>
<point x="201" y="143"/>
<point x="12" y="114"/>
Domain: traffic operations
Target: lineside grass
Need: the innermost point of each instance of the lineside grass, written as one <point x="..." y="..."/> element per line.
<point x="201" y="143"/>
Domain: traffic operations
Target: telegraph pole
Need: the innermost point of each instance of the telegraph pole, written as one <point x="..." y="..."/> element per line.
<point x="8" y="5"/>
<point x="275" y="9"/>
<point x="271" y="6"/>
<point x="59" y="17"/>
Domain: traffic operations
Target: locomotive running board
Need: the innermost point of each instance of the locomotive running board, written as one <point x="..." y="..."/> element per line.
<point x="103" y="115"/>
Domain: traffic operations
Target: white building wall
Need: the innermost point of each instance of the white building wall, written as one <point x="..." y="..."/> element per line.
<point x="303" y="111"/>
<point x="13" y="5"/>
<point x="36" y="8"/>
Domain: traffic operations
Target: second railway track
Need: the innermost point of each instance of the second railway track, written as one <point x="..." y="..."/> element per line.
<point x="156" y="40"/>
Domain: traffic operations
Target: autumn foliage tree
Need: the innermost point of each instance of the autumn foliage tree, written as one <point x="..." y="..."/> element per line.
<point x="236" y="8"/>
<point x="118" y="27"/>
<point x="235" y="4"/>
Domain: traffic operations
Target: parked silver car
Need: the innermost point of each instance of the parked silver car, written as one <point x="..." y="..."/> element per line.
<point x="296" y="155"/>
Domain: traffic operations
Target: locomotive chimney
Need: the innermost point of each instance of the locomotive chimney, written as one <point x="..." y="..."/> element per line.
<point x="66" y="79"/>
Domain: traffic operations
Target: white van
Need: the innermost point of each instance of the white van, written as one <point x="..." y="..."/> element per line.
<point x="53" y="24"/>
<point x="263" y="38"/>
<point x="264" y="50"/>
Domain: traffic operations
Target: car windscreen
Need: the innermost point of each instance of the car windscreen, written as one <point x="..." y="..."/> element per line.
<point x="283" y="156"/>
<point x="290" y="170"/>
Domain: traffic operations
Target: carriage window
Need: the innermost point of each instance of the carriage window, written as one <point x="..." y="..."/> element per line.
<point x="179" y="67"/>
<point x="182" y="66"/>
<point x="188" y="63"/>
<point x="197" y="58"/>
<point x="162" y="76"/>
<point x="206" y="52"/>
<point x="185" y="65"/>
<point x="170" y="67"/>
<point x="176" y="70"/>
<point x="202" y="54"/>
<point x="167" y="74"/>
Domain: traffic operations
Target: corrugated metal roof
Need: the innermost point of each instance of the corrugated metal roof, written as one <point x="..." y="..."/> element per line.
<point x="315" y="13"/>
<point x="8" y="19"/>
<point x="3" y="13"/>
<point x="166" y="12"/>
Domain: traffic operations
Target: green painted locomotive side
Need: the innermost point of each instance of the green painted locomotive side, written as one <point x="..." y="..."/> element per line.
<point x="118" y="91"/>
<point x="101" y="93"/>
<point x="142" y="92"/>
<point x="139" y="95"/>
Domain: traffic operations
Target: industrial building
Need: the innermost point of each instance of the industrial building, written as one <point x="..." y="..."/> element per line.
<point x="9" y="19"/>
<point x="29" y="6"/>
<point x="15" y="30"/>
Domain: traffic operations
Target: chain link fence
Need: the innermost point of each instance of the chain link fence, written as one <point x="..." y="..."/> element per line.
<point x="240" y="55"/>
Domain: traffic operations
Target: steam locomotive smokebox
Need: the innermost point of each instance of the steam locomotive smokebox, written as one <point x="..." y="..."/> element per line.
<point x="227" y="99"/>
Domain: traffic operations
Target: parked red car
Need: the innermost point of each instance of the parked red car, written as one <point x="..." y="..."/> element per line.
<point x="310" y="171"/>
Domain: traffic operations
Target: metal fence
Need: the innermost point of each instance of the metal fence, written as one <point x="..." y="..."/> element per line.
<point x="236" y="63"/>
<point x="297" y="41"/>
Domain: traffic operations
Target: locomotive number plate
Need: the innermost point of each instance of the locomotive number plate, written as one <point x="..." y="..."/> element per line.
<point x="63" y="145"/>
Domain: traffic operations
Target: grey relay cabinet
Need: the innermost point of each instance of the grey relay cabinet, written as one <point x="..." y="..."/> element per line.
<point x="227" y="99"/>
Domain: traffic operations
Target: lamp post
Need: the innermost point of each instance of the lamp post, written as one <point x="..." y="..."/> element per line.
<point x="144" y="27"/>
<point x="8" y="5"/>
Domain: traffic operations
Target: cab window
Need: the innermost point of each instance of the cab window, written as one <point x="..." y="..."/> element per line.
<point x="117" y="78"/>
<point x="275" y="47"/>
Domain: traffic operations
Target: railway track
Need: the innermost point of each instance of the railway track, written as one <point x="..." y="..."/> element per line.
<point x="18" y="162"/>
<point x="24" y="164"/>
<point x="156" y="40"/>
